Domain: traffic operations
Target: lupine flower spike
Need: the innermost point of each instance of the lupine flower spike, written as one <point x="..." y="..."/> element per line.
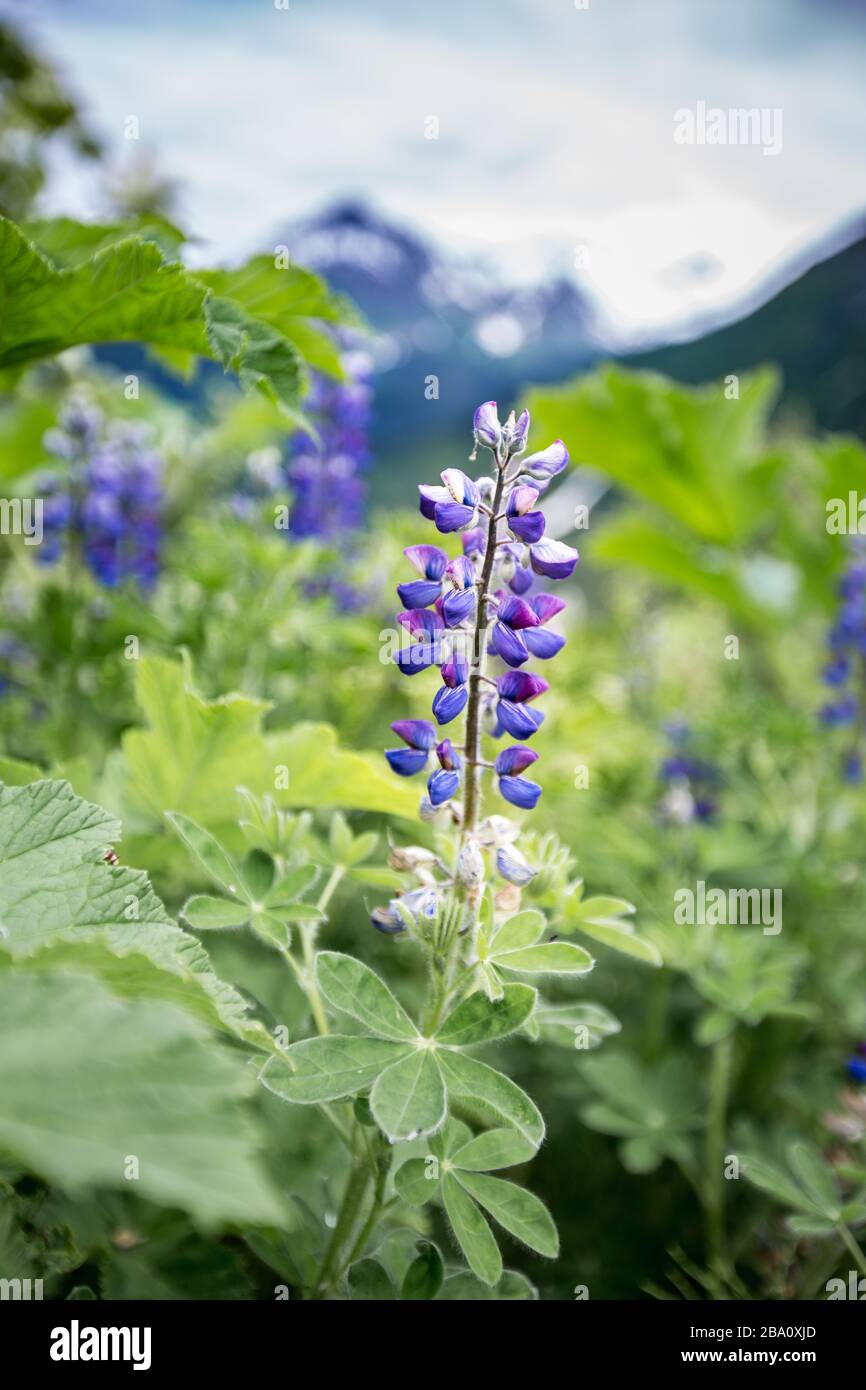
<point x="458" y="613"/>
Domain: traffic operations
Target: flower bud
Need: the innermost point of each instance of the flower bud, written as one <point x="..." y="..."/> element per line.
<point x="426" y="810"/>
<point x="470" y="865"/>
<point x="513" y="866"/>
<point x="410" y="858"/>
<point x="486" y="426"/>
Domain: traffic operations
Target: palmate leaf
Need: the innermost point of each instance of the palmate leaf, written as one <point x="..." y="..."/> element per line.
<point x="88" y="1082"/>
<point x="214" y="914"/>
<point x="62" y="906"/>
<point x="605" y="919"/>
<point x="511" y="1287"/>
<point x="578" y="1025"/>
<point x="194" y="753"/>
<point x="812" y="1189"/>
<point x="495" y="1148"/>
<point x="492" y="1093"/>
<point x="515" y="947"/>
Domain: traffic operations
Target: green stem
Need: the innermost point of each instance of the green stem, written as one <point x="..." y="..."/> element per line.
<point x="472" y="745"/>
<point x="714" y="1153"/>
<point x="356" y="1188"/>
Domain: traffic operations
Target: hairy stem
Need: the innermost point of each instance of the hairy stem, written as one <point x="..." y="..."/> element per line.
<point x="356" y="1187"/>
<point x="853" y="1247"/>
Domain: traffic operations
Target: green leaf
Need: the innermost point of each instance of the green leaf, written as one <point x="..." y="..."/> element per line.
<point x="88" y="1082"/>
<point x="368" y="1280"/>
<point x="414" y="1181"/>
<point x="773" y="1179"/>
<point x="478" y="1019"/>
<point x="194" y="753"/>
<point x="480" y="1086"/>
<point x="210" y="854"/>
<point x="408" y="1098"/>
<point x="581" y="1026"/>
<point x="423" y="1278"/>
<point x="63" y="907"/>
<point x="497" y="1148"/>
<point x="125" y="293"/>
<point x="472" y="1232"/>
<point x="214" y="914"/>
<point x="521" y="1213"/>
<point x="258" y="874"/>
<point x="328" y="1068"/>
<point x="619" y="936"/>
<point x="260" y="355"/>
<point x="551" y="958"/>
<point x="355" y="989"/>
<point x="601" y="907"/>
<point x="523" y="929"/>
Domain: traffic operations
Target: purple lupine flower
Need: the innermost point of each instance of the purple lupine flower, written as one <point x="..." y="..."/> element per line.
<point x="326" y="473"/>
<point x="108" y="501"/>
<point x="486" y="426"/>
<point x="457" y="510"/>
<point x="405" y="911"/>
<point x="523" y="522"/>
<point x="450" y="699"/>
<point x="482" y="602"/>
<point x="507" y="638"/>
<point x="420" y="736"/>
<point x="443" y="783"/>
<point x="425" y="626"/>
<point x="690" y="781"/>
<point x="509" y="766"/>
<point x="430" y="562"/>
<point x="553" y="559"/>
<point x="845" y="672"/>
<point x="515" y="691"/>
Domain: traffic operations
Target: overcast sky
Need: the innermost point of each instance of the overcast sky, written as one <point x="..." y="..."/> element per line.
<point x="555" y="126"/>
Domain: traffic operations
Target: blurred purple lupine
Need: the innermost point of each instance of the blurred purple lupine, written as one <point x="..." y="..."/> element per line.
<point x="462" y="611"/>
<point x="845" y="670"/>
<point x="690" y="781"/>
<point x="107" y="499"/>
<point x="326" y="474"/>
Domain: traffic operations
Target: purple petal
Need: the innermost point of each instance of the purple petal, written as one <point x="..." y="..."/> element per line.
<point x="461" y="572"/>
<point x="458" y="606"/>
<point x="543" y="643"/>
<point x="509" y="645"/>
<point x="448" y="702"/>
<point x="519" y="686"/>
<point x="428" y="560"/>
<point x="521" y="500"/>
<point x="548" y="462"/>
<point x="418" y="733"/>
<point x="452" y="516"/>
<point x="421" y="622"/>
<point x="447" y="754"/>
<point x="386" y="920"/>
<point x="460" y="486"/>
<point x="529" y="528"/>
<point x="406" y="761"/>
<point x="420" y="656"/>
<point x="517" y="613"/>
<point x="553" y="559"/>
<point x="521" y="580"/>
<point x="517" y="720"/>
<point x="474" y="541"/>
<point x="520" y="791"/>
<point x="429" y="496"/>
<point x="442" y="785"/>
<point x="514" y="760"/>
<point x="455" y="671"/>
<point x="547" y="606"/>
<point x="486" y="426"/>
<point x="419" y="593"/>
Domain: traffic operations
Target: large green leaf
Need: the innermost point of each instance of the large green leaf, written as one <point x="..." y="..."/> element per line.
<point x="329" y="1068"/>
<point x="63" y="906"/>
<point x="472" y="1232"/>
<point x="356" y="990"/>
<point x="479" y="1086"/>
<point x="194" y="753"/>
<point x="89" y="1083"/>
<point x="521" y="1213"/>
<point x="408" y="1098"/>
<point x="496" y="1148"/>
